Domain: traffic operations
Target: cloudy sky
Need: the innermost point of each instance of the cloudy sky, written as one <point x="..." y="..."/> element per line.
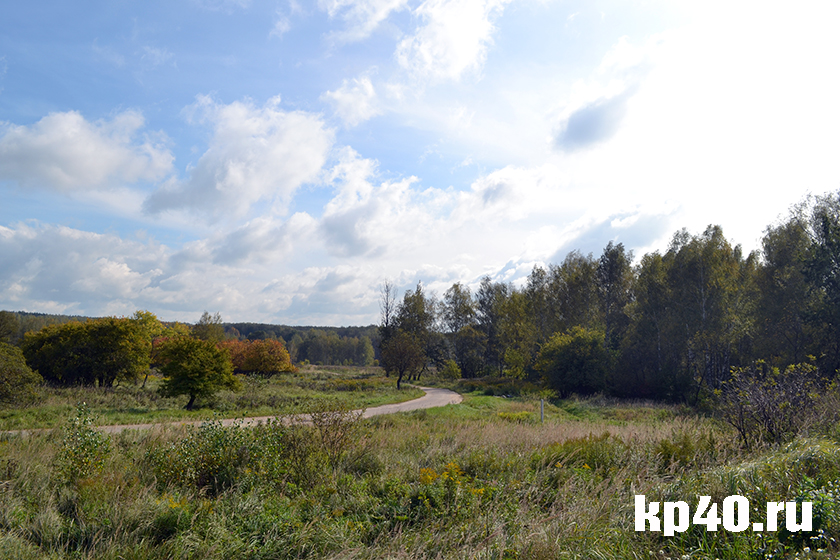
<point x="277" y="160"/>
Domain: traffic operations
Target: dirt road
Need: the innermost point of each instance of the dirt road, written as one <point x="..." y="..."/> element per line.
<point x="433" y="398"/>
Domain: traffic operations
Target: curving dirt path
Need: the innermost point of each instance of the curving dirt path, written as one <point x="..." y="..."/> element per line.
<point x="434" y="397"/>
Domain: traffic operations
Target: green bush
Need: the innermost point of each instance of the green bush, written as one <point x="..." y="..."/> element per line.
<point x="17" y="381"/>
<point x="83" y="449"/>
<point x="211" y="458"/>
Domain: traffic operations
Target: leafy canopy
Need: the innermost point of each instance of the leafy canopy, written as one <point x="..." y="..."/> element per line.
<point x="195" y="367"/>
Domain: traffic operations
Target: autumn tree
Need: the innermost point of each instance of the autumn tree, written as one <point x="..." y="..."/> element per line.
<point x="261" y="357"/>
<point x="194" y="367"/>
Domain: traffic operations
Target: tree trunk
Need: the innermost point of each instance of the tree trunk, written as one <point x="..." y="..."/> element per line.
<point x="191" y="403"/>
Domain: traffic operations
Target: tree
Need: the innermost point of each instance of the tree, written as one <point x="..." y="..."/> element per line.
<point x="17" y="380"/>
<point x="9" y="327"/>
<point x="575" y="362"/>
<point x="209" y="327"/>
<point x="822" y="268"/>
<point x="465" y="342"/>
<point x="574" y="292"/>
<point x="388" y="315"/>
<point x="403" y="353"/>
<point x="785" y="300"/>
<point x="417" y="317"/>
<point x="615" y="277"/>
<point x="195" y="367"/>
<point x="96" y="352"/>
<point x="489" y="300"/>
<point x="262" y="357"/>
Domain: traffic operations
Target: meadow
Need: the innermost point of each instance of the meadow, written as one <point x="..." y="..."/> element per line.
<point x="141" y="402"/>
<point x="481" y="480"/>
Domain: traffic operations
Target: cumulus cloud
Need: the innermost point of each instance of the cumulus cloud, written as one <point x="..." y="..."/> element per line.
<point x="355" y="101"/>
<point x="264" y="239"/>
<point x="364" y="218"/>
<point x="66" y="152"/>
<point x="453" y="39"/>
<point x="66" y="269"/>
<point x="361" y="16"/>
<point x="255" y="154"/>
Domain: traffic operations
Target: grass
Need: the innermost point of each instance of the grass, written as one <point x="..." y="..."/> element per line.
<point x="480" y="480"/>
<point x="281" y="394"/>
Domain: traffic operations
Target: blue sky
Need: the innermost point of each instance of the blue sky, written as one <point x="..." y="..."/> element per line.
<point x="277" y="161"/>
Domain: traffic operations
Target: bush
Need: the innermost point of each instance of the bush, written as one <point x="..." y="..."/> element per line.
<point x="83" y="449"/>
<point x="768" y="405"/>
<point x="17" y="380"/>
<point x="211" y="458"/>
<point x="450" y="370"/>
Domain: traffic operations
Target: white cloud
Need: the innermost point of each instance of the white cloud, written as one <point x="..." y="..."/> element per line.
<point x="281" y="26"/>
<point x="256" y="154"/>
<point x="453" y="39"/>
<point x="355" y="101"/>
<point x="361" y="16"/>
<point x="64" y="151"/>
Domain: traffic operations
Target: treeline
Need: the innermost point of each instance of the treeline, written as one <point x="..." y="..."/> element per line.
<point x="671" y="327"/>
<point x="316" y="345"/>
<point x="104" y="351"/>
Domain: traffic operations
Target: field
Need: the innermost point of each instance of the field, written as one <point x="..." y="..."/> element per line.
<point x="484" y="479"/>
<point x="281" y="394"/>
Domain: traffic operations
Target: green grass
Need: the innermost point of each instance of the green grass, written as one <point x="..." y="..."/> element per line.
<point x="480" y="480"/>
<point x="280" y="394"/>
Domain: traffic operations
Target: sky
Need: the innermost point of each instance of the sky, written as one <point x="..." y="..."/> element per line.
<point x="277" y="161"/>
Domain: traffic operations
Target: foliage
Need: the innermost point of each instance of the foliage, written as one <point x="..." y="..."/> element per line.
<point x="83" y="448"/>
<point x="211" y="458"/>
<point x="575" y="362"/>
<point x="96" y="352"/>
<point x="450" y="370"/>
<point x="403" y="354"/>
<point x="195" y="367"/>
<point x="17" y="380"/>
<point x="209" y="327"/>
<point x="9" y="327"/>
<point x="262" y="357"/>
<point x="765" y="404"/>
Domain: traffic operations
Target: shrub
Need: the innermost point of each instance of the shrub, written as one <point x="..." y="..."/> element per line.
<point x="337" y="426"/>
<point x="17" y="381"/>
<point x="211" y="458"/>
<point x="450" y="370"/>
<point x="766" y="404"/>
<point x="84" y="449"/>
